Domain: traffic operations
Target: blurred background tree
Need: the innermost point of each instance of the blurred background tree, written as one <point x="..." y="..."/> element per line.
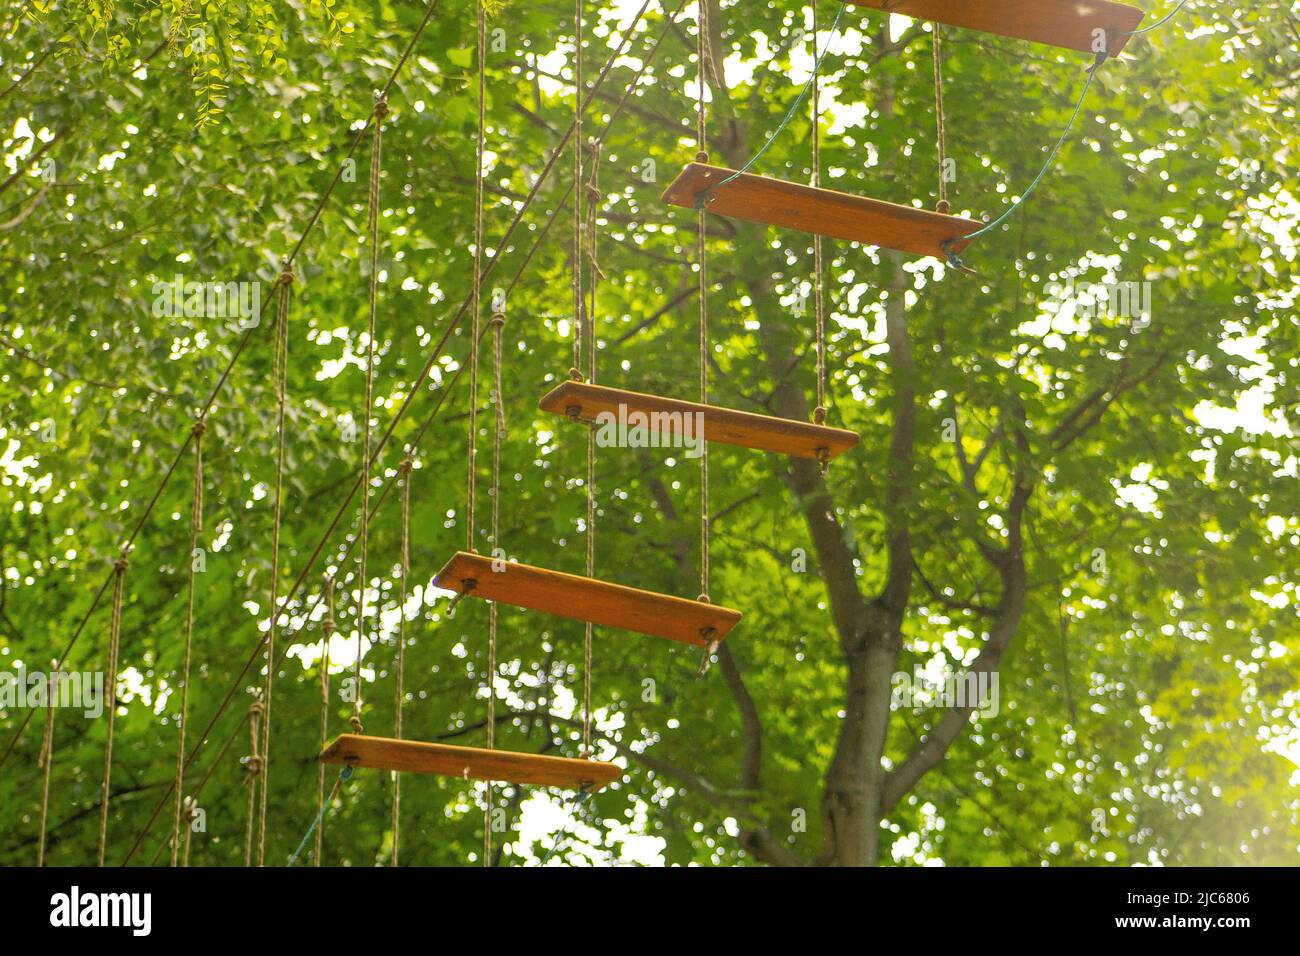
<point x="1100" y="511"/>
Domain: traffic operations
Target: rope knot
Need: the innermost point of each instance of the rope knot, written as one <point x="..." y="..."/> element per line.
<point x="199" y="428"/>
<point x="253" y="765"/>
<point x="255" y="709"/>
<point x="710" y="648"/>
<point x="328" y="626"/>
<point x="404" y="469"/>
<point x="355" y="723"/>
<point x="498" y="319"/>
<point x="575" y="375"/>
<point x="819" y="415"/>
<point x="953" y="260"/>
<point x="120" y="565"/>
<point x="381" y="108"/>
<point x="285" y="278"/>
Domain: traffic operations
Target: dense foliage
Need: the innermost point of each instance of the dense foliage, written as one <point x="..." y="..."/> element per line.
<point x="1101" y="511"/>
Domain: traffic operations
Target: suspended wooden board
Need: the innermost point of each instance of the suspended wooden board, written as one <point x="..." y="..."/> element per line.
<point x="822" y="211"/>
<point x="468" y="763"/>
<point x="586" y="599"/>
<point x="664" y="416"/>
<point x="1064" y="23"/>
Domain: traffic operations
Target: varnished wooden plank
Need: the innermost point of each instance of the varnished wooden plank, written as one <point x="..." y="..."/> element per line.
<point x="1063" y="23"/>
<point x="823" y="211"/>
<point x="665" y="417"/>
<point x="587" y="599"/>
<point x="469" y="763"/>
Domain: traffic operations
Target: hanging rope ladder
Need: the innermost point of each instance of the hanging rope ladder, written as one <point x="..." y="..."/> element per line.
<point x="577" y="597"/>
<point x="745" y="429"/>
<point x="740" y="194"/>
<point x="487" y="764"/>
<point x="588" y="402"/>
<point x="1099" y="27"/>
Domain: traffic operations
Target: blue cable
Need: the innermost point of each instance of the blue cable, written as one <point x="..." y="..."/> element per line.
<point x="1161" y="22"/>
<point x="344" y="774"/>
<point x="559" y="837"/>
<point x="953" y="259"/>
<point x="794" y="108"/>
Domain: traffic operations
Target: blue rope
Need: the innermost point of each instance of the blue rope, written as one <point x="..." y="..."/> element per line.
<point x="953" y="259"/>
<point x="1159" y="23"/>
<point x="344" y="774"/>
<point x="794" y="108"/>
<point x="559" y="837"/>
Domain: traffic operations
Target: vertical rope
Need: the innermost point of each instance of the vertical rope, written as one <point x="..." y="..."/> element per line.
<point x="701" y="53"/>
<point x="943" y="206"/>
<point x="475" y="293"/>
<point x="703" y="156"/>
<point x="498" y="324"/>
<point x="575" y="372"/>
<point x="285" y="284"/>
<point x="473" y="411"/>
<point x="328" y="626"/>
<point x="190" y="816"/>
<point x="114" y="638"/>
<point x="196" y="525"/>
<point x="47" y="759"/>
<point x="405" y="470"/>
<point x="819" y="413"/>
<point x="593" y="204"/>
<point x="372" y="225"/>
<point x="254" y="768"/>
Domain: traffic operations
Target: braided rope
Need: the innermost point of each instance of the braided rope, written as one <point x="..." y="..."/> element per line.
<point x="46" y="761"/>
<point x="216" y="391"/>
<point x="372" y="227"/>
<point x="473" y="403"/>
<point x="190" y="816"/>
<point x="575" y="371"/>
<point x="254" y="768"/>
<point x="285" y="289"/>
<point x="114" y="640"/>
<point x="594" y="204"/>
<point x="431" y="360"/>
<point x="475" y="293"/>
<point x="498" y="322"/>
<point x="819" y="413"/>
<point x="196" y="525"/>
<point x="702" y="48"/>
<point x="405" y="471"/>
<point x="941" y="137"/>
<point x="328" y="627"/>
<point x="701" y="59"/>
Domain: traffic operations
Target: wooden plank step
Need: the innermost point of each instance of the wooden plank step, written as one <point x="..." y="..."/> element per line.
<point x="821" y="211"/>
<point x="469" y="763"/>
<point x="1063" y="23"/>
<point x="665" y="416"/>
<point x="586" y="599"/>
